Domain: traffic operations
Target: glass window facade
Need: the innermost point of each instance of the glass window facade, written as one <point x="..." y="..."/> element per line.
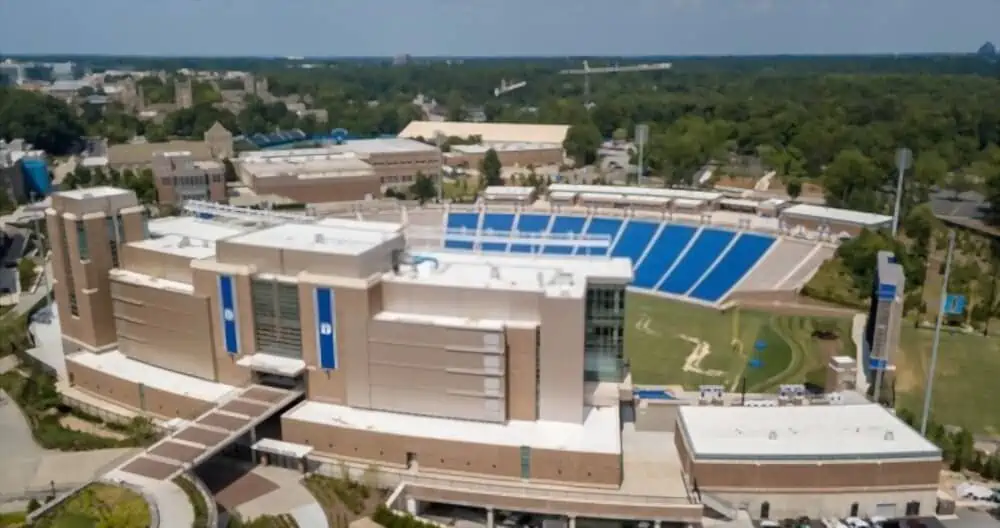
<point x="116" y="235"/>
<point x="277" y="326"/>
<point x="605" y="333"/>
<point x="81" y="240"/>
<point x="74" y="307"/>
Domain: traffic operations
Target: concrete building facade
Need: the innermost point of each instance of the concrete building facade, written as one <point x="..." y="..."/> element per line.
<point x="179" y="177"/>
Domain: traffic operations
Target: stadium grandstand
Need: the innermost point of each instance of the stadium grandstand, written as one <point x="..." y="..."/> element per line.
<point x="475" y="354"/>
<point x="694" y="246"/>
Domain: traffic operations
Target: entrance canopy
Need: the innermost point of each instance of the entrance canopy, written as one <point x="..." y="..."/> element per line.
<point x="281" y="448"/>
<point x="199" y="440"/>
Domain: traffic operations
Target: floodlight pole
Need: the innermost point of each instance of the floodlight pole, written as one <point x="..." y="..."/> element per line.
<point x="903" y="159"/>
<point x="641" y="135"/>
<point x="937" y="337"/>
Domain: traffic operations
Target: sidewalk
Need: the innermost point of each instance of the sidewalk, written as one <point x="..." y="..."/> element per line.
<point x="858" y="335"/>
<point x="291" y="497"/>
<point x="171" y="502"/>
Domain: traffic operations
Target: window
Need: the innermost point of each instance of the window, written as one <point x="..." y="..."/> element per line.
<point x="605" y="333"/>
<point x="277" y="327"/>
<point x="74" y="307"/>
<point x="116" y="236"/>
<point x="81" y="240"/>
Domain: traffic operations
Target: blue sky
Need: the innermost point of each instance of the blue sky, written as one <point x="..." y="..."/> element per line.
<point x="495" y="27"/>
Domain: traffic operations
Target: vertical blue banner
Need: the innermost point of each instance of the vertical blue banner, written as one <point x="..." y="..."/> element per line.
<point x="230" y="326"/>
<point x="326" y="328"/>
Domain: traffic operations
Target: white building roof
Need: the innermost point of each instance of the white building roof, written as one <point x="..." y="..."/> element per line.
<point x="116" y="364"/>
<point x="796" y="432"/>
<point x="94" y="192"/>
<point x="489" y="132"/>
<point x="179" y="245"/>
<point x="383" y="145"/>
<point x="597" y="434"/>
<point x="148" y="281"/>
<point x="329" y="236"/>
<point x="499" y="191"/>
<point x="819" y="212"/>
<point x="539" y="273"/>
<point x="94" y="161"/>
<point x="504" y="147"/>
<point x="634" y="191"/>
<point x="193" y="227"/>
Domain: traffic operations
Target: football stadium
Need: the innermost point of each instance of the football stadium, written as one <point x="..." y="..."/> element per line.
<point x="474" y="355"/>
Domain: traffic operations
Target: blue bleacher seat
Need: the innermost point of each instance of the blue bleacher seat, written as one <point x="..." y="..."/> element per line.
<point x="634" y="239"/>
<point x="601" y="226"/>
<point x="529" y="224"/>
<point x="501" y="223"/>
<point x="564" y="225"/>
<point x="740" y="258"/>
<point x="703" y="252"/>
<point x="662" y="255"/>
<point x="466" y="221"/>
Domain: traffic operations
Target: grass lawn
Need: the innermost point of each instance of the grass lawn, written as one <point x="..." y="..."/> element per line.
<point x="658" y="341"/>
<point x="100" y="505"/>
<point x="967" y="372"/>
<point x="965" y="382"/>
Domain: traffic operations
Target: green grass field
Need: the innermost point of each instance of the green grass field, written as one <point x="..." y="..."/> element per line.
<point x="967" y="384"/>
<point x="657" y="347"/>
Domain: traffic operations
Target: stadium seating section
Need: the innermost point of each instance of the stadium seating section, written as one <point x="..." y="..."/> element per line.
<point x="702" y="263"/>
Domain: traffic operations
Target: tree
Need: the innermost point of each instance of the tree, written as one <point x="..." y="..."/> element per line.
<point x="620" y="134"/>
<point x="423" y="188"/>
<point x="582" y="142"/>
<point x="850" y="181"/>
<point x="959" y="182"/>
<point x="26" y="273"/>
<point x="794" y="188"/>
<point x="491" y="169"/>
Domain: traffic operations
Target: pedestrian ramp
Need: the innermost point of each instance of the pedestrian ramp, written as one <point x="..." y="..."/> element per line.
<point x="198" y="440"/>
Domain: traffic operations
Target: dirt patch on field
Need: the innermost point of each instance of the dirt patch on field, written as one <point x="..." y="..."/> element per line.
<point x="72" y="422"/>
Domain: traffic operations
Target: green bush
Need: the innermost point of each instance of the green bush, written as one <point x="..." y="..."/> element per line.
<point x="391" y="519"/>
<point x="197" y="500"/>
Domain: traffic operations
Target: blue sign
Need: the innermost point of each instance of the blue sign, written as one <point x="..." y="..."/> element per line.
<point x="339" y="135"/>
<point x="756" y="363"/>
<point x="759" y="345"/>
<point x="886" y="292"/>
<point x="878" y="363"/>
<point x="230" y="326"/>
<point x="954" y="305"/>
<point x="326" y="328"/>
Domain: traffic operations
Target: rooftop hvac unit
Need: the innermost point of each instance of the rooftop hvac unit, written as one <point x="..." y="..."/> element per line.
<point x="711" y="394"/>
<point x="834" y="398"/>
<point x="792" y="392"/>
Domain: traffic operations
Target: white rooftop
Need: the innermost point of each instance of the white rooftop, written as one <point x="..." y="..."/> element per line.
<point x="504" y="147"/>
<point x="193" y="227"/>
<point x="800" y="432"/>
<point x="116" y="364"/>
<point x="538" y="273"/>
<point x="329" y="236"/>
<point x="179" y="245"/>
<point x="820" y="212"/>
<point x="383" y="145"/>
<point x="94" y="192"/>
<point x="500" y="190"/>
<point x="597" y="434"/>
<point x="148" y="281"/>
<point x="633" y="191"/>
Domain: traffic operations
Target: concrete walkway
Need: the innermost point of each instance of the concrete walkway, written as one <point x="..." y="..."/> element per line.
<point x="291" y="497"/>
<point x="20" y="455"/>
<point x="171" y="502"/>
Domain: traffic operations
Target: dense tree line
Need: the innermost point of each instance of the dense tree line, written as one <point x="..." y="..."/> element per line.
<point x="832" y="121"/>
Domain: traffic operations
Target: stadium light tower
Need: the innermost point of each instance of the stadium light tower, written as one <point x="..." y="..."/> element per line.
<point x="904" y="158"/>
<point x="641" y="136"/>
<point x="439" y="140"/>
<point x="937" y="337"/>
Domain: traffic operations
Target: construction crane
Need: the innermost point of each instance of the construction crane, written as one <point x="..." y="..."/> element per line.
<point x="587" y="71"/>
<point x="506" y="88"/>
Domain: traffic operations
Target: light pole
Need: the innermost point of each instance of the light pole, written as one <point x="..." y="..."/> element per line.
<point x="439" y="140"/>
<point x="641" y="136"/>
<point x="904" y="158"/>
<point x="937" y="337"/>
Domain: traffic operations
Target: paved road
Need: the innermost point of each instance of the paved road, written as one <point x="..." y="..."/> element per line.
<point x="20" y="456"/>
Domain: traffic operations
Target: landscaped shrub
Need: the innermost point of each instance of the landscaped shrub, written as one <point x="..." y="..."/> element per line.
<point x="391" y="519"/>
<point x="197" y="501"/>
